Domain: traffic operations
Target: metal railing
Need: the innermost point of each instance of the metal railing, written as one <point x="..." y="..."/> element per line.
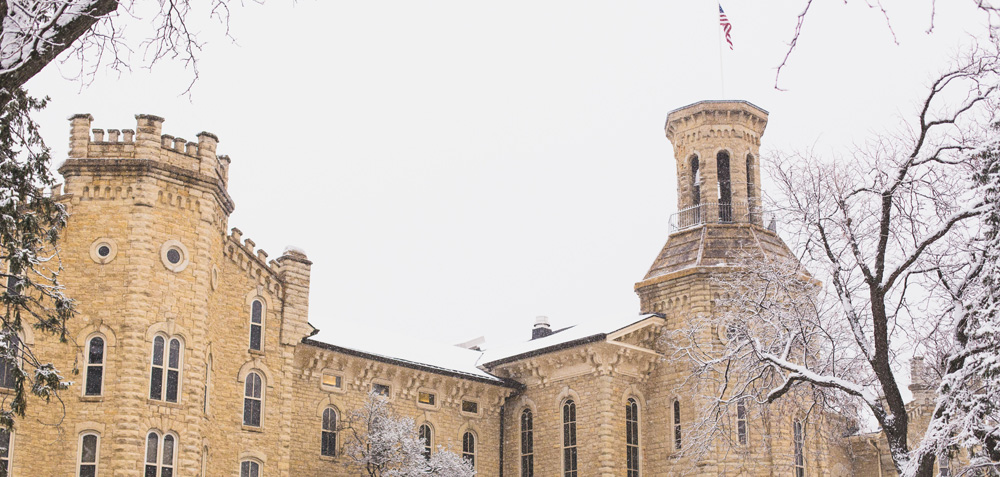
<point x="722" y="213"/>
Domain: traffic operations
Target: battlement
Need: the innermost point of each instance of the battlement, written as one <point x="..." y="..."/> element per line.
<point x="147" y="141"/>
<point x="716" y="119"/>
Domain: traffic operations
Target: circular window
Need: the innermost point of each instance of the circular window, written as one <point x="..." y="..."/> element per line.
<point x="103" y="250"/>
<point x="174" y="255"/>
<point x="215" y="277"/>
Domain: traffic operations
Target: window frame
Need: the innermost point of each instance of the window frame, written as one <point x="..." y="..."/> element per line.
<point x="676" y="413"/>
<point x="259" y="399"/>
<point x="89" y="364"/>
<point x="158" y="464"/>
<point x="742" y="424"/>
<point x="799" y="447"/>
<point x="97" y="453"/>
<point x="8" y="368"/>
<point x="469" y="440"/>
<point x="165" y="369"/>
<point x="251" y="462"/>
<point x="260" y="326"/>
<point x="325" y="431"/>
<point x="633" y="454"/>
<point x="6" y="461"/>
<point x="426" y="439"/>
<point x="527" y="428"/>
<point x="570" y="458"/>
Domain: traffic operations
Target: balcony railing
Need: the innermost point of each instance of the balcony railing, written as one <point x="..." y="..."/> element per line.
<point x="732" y="213"/>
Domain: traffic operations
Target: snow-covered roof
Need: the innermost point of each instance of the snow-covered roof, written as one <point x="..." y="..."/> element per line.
<point x="405" y="352"/>
<point x="585" y="332"/>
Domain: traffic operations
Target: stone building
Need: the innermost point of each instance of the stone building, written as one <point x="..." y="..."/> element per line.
<point x="196" y="354"/>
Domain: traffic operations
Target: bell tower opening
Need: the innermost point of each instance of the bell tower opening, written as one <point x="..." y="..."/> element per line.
<point x="725" y="187"/>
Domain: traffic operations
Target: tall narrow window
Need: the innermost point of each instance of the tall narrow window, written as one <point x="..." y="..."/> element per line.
<point x="695" y="190"/>
<point x="329" y="437"/>
<point x="159" y="455"/>
<point x="250" y="468"/>
<point x="425" y="439"/>
<point x="753" y="206"/>
<point x="208" y="384"/>
<point x="6" y="444"/>
<point x="569" y="439"/>
<point x="252" y="400"/>
<point x="799" y="439"/>
<point x="89" y="455"/>
<point x="725" y="187"/>
<point x="741" y="422"/>
<point x="469" y="448"/>
<point x="9" y="368"/>
<point x="677" y="424"/>
<point x="256" y="325"/>
<point x="944" y="466"/>
<point x="527" y="444"/>
<point x="632" y="437"/>
<point x="166" y="360"/>
<point x="95" y="367"/>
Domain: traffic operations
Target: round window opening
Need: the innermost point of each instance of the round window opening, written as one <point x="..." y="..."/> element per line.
<point x="174" y="256"/>
<point x="103" y="251"/>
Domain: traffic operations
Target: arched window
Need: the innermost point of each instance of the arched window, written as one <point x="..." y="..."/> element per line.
<point x="329" y="444"/>
<point x="6" y="444"/>
<point x="632" y="437"/>
<point x="677" y="424"/>
<point x="527" y="444"/>
<point x="741" y="422"/>
<point x="695" y="189"/>
<point x="204" y="461"/>
<point x="95" y="367"/>
<point x="160" y="453"/>
<point x="253" y="400"/>
<point x="569" y="439"/>
<point x="469" y="448"/>
<point x="257" y="325"/>
<point x="166" y="360"/>
<point x="753" y="207"/>
<point x="9" y="366"/>
<point x="250" y="468"/>
<point x="725" y="187"/>
<point x="425" y="439"/>
<point x="799" y="440"/>
<point x="89" y="455"/>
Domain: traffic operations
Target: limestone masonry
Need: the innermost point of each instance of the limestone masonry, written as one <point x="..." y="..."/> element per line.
<point x="195" y="354"/>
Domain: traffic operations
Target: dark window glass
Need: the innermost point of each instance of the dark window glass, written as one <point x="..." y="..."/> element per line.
<point x="95" y="366"/>
<point x="741" y="422"/>
<point x="425" y="439"/>
<point x="88" y="455"/>
<point x="8" y="364"/>
<point x="5" y="442"/>
<point x="167" y="462"/>
<point x="469" y="449"/>
<point x="329" y="438"/>
<point x="799" y="439"/>
<point x="249" y="468"/>
<point x="380" y="389"/>
<point x="256" y="324"/>
<point x="527" y="444"/>
<point x="725" y="187"/>
<point x="470" y="406"/>
<point x="173" y="370"/>
<point x="695" y="191"/>
<point x="677" y="425"/>
<point x="152" y="453"/>
<point x="103" y="251"/>
<point x="156" y="370"/>
<point x="174" y="256"/>
<point x="424" y="398"/>
<point x="569" y="440"/>
<point x="252" y="401"/>
<point x="632" y="438"/>
<point x="12" y="286"/>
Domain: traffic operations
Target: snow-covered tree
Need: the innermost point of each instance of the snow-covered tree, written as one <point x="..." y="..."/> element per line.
<point x="384" y="444"/>
<point x="885" y="242"/>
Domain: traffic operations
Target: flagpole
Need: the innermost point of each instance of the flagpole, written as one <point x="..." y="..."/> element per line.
<point x="722" y="75"/>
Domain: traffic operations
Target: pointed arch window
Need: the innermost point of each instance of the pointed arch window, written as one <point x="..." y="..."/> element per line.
<point x="89" y="455"/>
<point x="725" y="187"/>
<point x="799" y="441"/>
<point x="329" y="436"/>
<point x="695" y="189"/>
<point x="160" y="455"/>
<point x="257" y="325"/>
<point x="426" y="437"/>
<point x="165" y="366"/>
<point x="677" y="424"/>
<point x="527" y="444"/>
<point x="253" y="400"/>
<point x="95" y="367"/>
<point x="632" y="437"/>
<point x="469" y="448"/>
<point x="569" y="439"/>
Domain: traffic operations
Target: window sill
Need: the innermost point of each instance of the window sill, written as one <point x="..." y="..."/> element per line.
<point x="91" y="398"/>
<point x="154" y="402"/>
<point x="333" y="459"/>
<point x="256" y="352"/>
<point x="252" y="428"/>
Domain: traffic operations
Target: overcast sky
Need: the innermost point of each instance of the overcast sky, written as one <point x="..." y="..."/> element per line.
<point x="455" y="168"/>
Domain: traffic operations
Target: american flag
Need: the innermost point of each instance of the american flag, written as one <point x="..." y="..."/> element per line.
<point x="726" y="26"/>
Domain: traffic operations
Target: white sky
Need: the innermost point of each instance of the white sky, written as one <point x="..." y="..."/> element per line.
<point x="455" y="168"/>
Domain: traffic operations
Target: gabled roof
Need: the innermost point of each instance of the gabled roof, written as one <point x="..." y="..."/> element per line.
<point x="588" y="332"/>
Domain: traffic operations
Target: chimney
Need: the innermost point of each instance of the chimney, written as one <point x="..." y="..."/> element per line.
<point x="541" y="328"/>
